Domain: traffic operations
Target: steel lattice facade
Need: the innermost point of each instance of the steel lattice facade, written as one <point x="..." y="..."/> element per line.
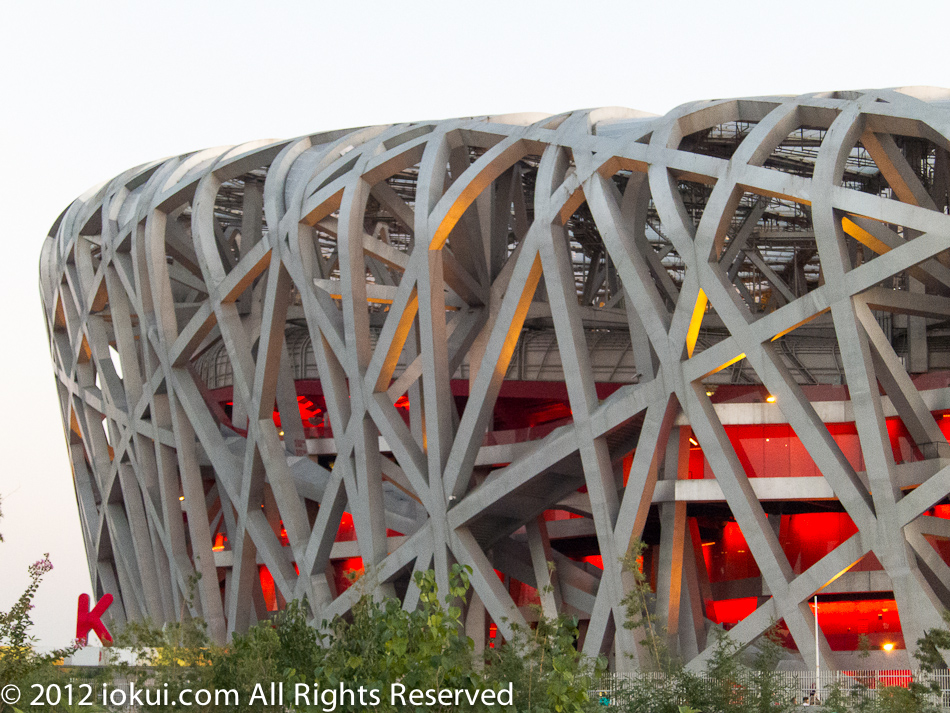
<point x="509" y="341"/>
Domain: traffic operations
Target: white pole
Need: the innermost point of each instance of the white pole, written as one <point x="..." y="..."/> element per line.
<point x="817" y="664"/>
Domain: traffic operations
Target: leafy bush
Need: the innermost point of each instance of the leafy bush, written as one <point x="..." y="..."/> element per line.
<point x="379" y="643"/>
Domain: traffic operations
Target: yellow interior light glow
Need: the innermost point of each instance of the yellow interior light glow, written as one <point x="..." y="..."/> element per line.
<point x="864" y="237"/>
<point x="692" y="334"/>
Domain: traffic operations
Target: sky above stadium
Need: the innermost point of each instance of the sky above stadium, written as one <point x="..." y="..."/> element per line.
<point x="91" y="89"/>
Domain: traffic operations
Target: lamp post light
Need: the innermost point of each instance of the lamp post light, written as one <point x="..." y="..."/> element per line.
<point x="817" y="655"/>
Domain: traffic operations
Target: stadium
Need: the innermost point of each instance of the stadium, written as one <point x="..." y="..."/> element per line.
<point x="309" y="368"/>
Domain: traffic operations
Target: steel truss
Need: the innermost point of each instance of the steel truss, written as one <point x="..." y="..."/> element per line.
<point x="728" y="241"/>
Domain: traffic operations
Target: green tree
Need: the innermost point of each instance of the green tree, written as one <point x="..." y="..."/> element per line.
<point x="176" y="656"/>
<point x="547" y="671"/>
<point x="898" y="699"/>
<point x="768" y="690"/>
<point x="19" y="660"/>
<point x="665" y="685"/>
<point x="285" y="648"/>
<point x="640" y="605"/>
<point x="930" y="645"/>
<point x="837" y="701"/>
<point x="726" y="678"/>
<point x="380" y="643"/>
<point x="919" y="693"/>
<point x="18" y="656"/>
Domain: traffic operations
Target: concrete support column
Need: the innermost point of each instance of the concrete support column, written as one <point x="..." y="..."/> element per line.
<point x="670" y="575"/>
<point x="917" y="357"/>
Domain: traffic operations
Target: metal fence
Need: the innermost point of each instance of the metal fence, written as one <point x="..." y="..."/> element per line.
<point x="799" y="685"/>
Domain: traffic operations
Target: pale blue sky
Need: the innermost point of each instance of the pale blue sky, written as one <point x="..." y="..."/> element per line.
<point x="90" y="89"/>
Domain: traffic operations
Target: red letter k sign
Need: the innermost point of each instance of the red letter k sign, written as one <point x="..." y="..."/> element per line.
<point x="86" y="620"/>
